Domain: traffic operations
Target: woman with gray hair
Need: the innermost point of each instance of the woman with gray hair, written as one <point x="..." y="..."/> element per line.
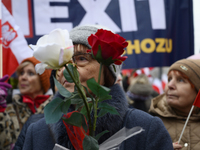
<point x="155" y="136"/>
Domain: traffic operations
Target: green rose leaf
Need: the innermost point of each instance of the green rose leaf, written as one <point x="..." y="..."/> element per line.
<point x="77" y="119"/>
<point x="84" y="111"/>
<point x="89" y="143"/>
<point x="61" y="89"/>
<point x="53" y="110"/>
<point x="66" y="74"/>
<point x="65" y="106"/>
<point x="98" y="90"/>
<point x="106" y="108"/>
<point x="100" y="134"/>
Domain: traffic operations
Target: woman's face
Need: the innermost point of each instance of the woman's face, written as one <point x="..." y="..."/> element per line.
<point x="61" y="79"/>
<point x="29" y="82"/>
<point x="179" y="93"/>
<point x="87" y="68"/>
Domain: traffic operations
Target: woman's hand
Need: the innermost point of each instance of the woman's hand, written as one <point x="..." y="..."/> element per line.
<point x="177" y="146"/>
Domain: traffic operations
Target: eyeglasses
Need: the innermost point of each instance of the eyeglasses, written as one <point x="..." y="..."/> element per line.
<point x="82" y="59"/>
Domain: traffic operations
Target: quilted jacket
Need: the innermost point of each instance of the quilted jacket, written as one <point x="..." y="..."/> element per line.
<point x="174" y="123"/>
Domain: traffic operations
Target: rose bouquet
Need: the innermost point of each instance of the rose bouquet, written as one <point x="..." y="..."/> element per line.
<point x="107" y="49"/>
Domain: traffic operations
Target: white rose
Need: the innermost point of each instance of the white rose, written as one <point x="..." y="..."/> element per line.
<point x="53" y="50"/>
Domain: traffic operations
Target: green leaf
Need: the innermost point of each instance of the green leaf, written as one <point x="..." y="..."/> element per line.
<point x="98" y="56"/>
<point x="90" y="143"/>
<point x="105" y="98"/>
<point x="65" y="106"/>
<point x="76" y="73"/>
<point x="100" y="134"/>
<point x="77" y="119"/>
<point x="66" y="73"/>
<point x="84" y="111"/>
<point x="89" y="94"/>
<point x="64" y="92"/>
<point x="52" y="111"/>
<point x="106" y="108"/>
<point x="102" y="112"/>
<point x="98" y="90"/>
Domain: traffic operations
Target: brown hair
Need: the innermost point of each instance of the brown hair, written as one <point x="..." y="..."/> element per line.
<point x="44" y="78"/>
<point x="184" y="76"/>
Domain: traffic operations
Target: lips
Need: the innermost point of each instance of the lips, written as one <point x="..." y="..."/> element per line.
<point x="23" y="85"/>
<point x="65" y="82"/>
<point x="171" y="96"/>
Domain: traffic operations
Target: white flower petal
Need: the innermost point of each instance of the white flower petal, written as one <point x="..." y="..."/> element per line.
<point x="61" y="56"/>
<point x="40" y="68"/>
<point x="68" y="53"/>
<point x="42" y="40"/>
<point x="54" y="49"/>
<point x="48" y="53"/>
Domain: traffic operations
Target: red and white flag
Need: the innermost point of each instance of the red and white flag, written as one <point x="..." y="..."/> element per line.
<point x="15" y="46"/>
<point x="197" y="100"/>
<point x="164" y="81"/>
<point x="157" y="85"/>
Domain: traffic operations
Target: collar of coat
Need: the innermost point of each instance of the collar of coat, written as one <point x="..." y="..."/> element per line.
<point x="160" y="107"/>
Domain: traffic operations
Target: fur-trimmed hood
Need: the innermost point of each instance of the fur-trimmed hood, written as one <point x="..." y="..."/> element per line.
<point x="112" y="123"/>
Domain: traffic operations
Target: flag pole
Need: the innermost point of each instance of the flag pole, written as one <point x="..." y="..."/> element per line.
<point x="186" y="123"/>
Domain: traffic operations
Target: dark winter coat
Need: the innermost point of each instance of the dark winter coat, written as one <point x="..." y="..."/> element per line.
<point x="41" y="136"/>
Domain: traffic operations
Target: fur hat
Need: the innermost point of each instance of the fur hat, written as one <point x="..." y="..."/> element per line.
<point x="80" y="34"/>
<point x="45" y="77"/>
<point x="191" y="68"/>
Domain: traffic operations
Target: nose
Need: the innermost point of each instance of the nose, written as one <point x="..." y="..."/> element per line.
<point x="171" y="84"/>
<point x="24" y="75"/>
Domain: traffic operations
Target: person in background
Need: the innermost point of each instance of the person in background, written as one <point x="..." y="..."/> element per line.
<point x="5" y="122"/>
<point x="35" y="117"/>
<point x="31" y="99"/>
<point x="140" y="93"/>
<point x="44" y="136"/>
<point x="174" y="105"/>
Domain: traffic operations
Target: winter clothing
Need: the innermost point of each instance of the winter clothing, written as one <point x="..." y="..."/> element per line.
<point x="140" y="93"/>
<point x="191" y="68"/>
<point x="21" y="137"/>
<point x="33" y="118"/>
<point x="174" y="123"/>
<point x="80" y="34"/>
<point x="44" y="78"/>
<point x="13" y="119"/>
<point x="41" y="136"/>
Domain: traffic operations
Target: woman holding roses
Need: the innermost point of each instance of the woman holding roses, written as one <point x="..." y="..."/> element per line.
<point x="86" y="57"/>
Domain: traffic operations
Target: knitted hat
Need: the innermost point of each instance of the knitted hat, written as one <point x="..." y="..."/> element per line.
<point x="80" y="34"/>
<point x="191" y="68"/>
<point x="45" y="77"/>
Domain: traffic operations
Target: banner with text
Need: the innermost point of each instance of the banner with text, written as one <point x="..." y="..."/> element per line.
<point x="159" y="32"/>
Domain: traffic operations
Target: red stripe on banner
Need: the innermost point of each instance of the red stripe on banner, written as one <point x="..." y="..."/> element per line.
<point x="197" y="100"/>
<point x="8" y="5"/>
<point x="30" y="20"/>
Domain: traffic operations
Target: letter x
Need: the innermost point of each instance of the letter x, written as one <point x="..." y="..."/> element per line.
<point x="95" y="14"/>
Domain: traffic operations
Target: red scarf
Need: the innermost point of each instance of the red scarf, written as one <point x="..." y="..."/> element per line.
<point x="76" y="134"/>
<point x="2" y="109"/>
<point x="34" y="102"/>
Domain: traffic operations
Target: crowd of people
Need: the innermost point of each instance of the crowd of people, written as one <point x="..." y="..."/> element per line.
<point x="162" y="117"/>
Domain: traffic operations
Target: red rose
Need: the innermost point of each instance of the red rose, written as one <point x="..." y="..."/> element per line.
<point x="112" y="46"/>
